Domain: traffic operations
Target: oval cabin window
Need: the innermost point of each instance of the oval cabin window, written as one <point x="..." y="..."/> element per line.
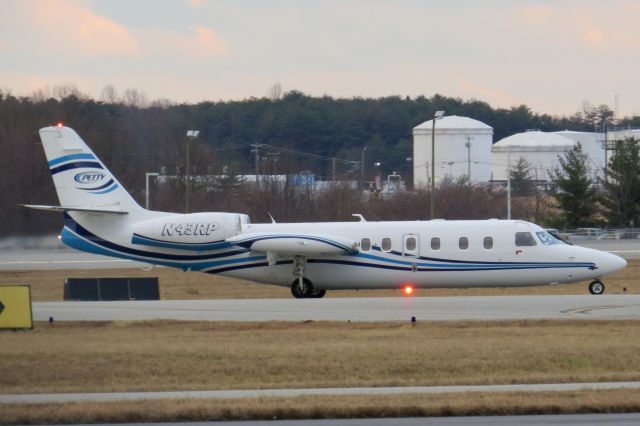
<point x="365" y="244"/>
<point x="410" y="244"/>
<point x="488" y="243"/>
<point x="386" y="244"/>
<point x="435" y="243"/>
<point x="463" y="243"/>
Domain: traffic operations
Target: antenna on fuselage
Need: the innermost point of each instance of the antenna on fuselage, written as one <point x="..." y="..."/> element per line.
<point x="359" y="216"/>
<point x="271" y="217"/>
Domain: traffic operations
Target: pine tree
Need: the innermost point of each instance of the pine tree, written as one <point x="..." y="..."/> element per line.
<point x="622" y="188"/>
<point x="521" y="183"/>
<point x="574" y="188"/>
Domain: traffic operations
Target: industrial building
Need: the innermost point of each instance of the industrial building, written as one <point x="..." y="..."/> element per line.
<point x="540" y="149"/>
<point x="543" y="149"/>
<point x="462" y="149"/>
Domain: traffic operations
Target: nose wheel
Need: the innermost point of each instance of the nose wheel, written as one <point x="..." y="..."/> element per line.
<point x="596" y="287"/>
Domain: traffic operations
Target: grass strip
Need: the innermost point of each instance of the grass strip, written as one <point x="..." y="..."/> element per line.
<point x="325" y="407"/>
<point x="182" y="355"/>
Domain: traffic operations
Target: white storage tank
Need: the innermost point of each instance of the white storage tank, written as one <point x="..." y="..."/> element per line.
<point x="593" y="144"/>
<point x="461" y="143"/>
<point x="540" y="149"/>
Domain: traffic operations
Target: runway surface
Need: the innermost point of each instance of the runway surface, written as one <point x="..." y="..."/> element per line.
<point x="627" y="419"/>
<point x="257" y="393"/>
<point x="606" y="307"/>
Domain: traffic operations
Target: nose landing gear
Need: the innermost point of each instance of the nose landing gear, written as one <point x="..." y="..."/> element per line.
<point x="596" y="287"/>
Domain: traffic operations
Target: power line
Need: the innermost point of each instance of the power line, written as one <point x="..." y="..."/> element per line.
<point x="307" y="154"/>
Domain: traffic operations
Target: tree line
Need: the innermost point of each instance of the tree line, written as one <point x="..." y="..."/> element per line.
<point x="133" y="136"/>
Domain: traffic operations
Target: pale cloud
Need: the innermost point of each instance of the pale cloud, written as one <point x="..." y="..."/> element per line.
<point x="202" y="42"/>
<point x="491" y="95"/>
<point x="570" y="23"/>
<point x="550" y="55"/>
<point x="72" y="25"/>
<point x="29" y="83"/>
<point x="196" y="3"/>
<point x="593" y="36"/>
<point x="537" y="15"/>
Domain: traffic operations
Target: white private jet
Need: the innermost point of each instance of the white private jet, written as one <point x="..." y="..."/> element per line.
<point x="310" y="258"/>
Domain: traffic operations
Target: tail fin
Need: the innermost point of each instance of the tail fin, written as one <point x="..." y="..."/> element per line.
<point x="82" y="181"/>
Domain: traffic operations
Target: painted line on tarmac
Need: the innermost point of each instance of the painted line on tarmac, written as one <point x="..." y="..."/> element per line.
<point x="257" y="393"/>
<point x="594" y="308"/>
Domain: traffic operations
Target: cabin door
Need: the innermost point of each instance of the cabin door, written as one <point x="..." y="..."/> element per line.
<point x="411" y="245"/>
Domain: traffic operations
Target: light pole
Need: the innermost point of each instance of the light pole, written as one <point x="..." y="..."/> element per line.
<point x="191" y="134"/>
<point x="508" y="182"/>
<point x="364" y="148"/>
<point x="436" y="116"/>
<point x="147" y="175"/>
<point x="468" y="145"/>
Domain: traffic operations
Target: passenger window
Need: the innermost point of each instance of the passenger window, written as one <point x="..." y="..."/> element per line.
<point x="435" y="243"/>
<point x="410" y="244"/>
<point x="386" y="244"/>
<point x="463" y="243"/>
<point x="488" y="243"/>
<point x="524" y="239"/>
<point x="365" y="244"/>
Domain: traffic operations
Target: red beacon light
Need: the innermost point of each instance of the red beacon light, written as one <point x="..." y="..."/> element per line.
<point x="59" y="124"/>
<point x="408" y="290"/>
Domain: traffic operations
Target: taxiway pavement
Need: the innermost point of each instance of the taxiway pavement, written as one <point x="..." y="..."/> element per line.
<point x="259" y="393"/>
<point x="482" y="308"/>
<point x="623" y="419"/>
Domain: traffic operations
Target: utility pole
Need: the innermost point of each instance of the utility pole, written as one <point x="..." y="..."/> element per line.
<point x="606" y="149"/>
<point x="191" y="134"/>
<point x="333" y="171"/>
<point x="364" y="148"/>
<point x="256" y="151"/>
<point x="468" y="145"/>
<point x="437" y="115"/>
<point x="508" y="183"/>
<point x="147" y="175"/>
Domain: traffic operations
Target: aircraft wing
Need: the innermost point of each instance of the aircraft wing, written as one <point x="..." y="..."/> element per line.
<point x="293" y="244"/>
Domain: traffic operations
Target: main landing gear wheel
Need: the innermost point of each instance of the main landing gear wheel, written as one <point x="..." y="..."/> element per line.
<point x="318" y="294"/>
<point x="596" y="287"/>
<point x="302" y="290"/>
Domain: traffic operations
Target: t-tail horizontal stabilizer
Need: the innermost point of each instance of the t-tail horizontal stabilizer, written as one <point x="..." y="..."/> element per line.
<point x="71" y="209"/>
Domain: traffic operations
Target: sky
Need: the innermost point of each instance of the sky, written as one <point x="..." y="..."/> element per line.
<point x="550" y="55"/>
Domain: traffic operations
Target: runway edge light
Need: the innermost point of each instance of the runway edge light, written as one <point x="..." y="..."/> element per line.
<point x="15" y="307"/>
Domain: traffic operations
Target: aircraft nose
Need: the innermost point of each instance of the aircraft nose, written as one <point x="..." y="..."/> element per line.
<point x="610" y="263"/>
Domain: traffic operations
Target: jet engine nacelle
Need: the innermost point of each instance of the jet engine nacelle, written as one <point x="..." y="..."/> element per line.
<point x="192" y="228"/>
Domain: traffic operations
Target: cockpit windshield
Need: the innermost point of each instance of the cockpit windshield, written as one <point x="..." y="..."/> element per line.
<point x="548" y="239"/>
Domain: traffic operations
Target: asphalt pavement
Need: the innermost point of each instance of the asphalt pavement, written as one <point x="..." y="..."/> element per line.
<point x="289" y="393"/>
<point x="627" y="419"/>
<point x="365" y="309"/>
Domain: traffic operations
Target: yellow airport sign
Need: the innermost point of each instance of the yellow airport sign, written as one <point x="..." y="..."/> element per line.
<point x="15" y="307"/>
